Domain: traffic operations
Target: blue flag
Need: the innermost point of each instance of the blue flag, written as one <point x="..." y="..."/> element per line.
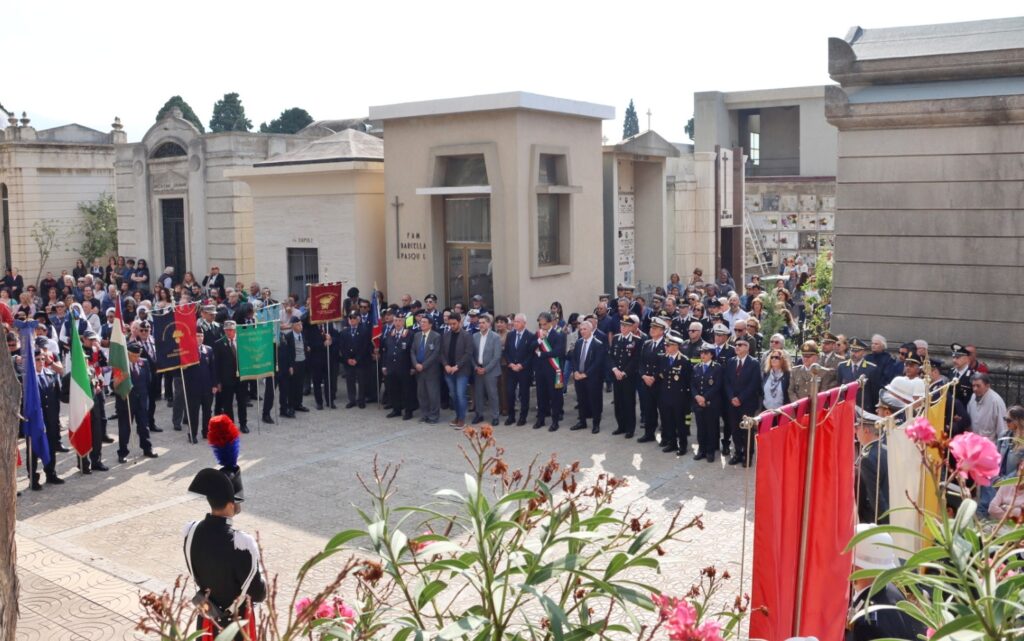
<point x="32" y="410"/>
<point x="271" y="314"/>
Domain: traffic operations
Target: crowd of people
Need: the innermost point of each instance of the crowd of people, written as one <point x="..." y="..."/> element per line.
<point x="682" y="370"/>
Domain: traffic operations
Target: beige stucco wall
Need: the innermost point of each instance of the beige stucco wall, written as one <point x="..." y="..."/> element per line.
<point x="508" y="139"/>
<point x="691" y="202"/>
<point x="47" y="181"/>
<point x="339" y="212"/>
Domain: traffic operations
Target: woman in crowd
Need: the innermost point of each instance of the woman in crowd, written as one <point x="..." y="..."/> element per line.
<point x="757" y="308"/>
<point x="129" y="310"/>
<point x="674" y="281"/>
<point x="141" y="276"/>
<point x="127" y="271"/>
<point x="79" y="271"/>
<point x="189" y="280"/>
<point x="557" y="315"/>
<point x="1009" y="499"/>
<point x="725" y="283"/>
<point x="5" y="299"/>
<point x="26" y="305"/>
<point x="163" y="298"/>
<point x="697" y="278"/>
<point x="112" y="274"/>
<point x="775" y="382"/>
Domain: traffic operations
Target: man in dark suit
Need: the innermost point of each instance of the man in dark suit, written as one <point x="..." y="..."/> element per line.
<point x="398" y="369"/>
<point x="648" y="370"/>
<point x="674" y="372"/>
<point x="624" y="359"/>
<point x="318" y="341"/>
<point x="549" y="354"/>
<point x="214" y="280"/>
<point x="519" y="351"/>
<point x="426" y="362"/>
<point x="138" y="399"/>
<point x="457" y="362"/>
<point x="743" y="397"/>
<point x="230" y="389"/>
<point x="293" y="357"/>
<point x="856" y="366"/>
<point x="356" y="352"/>
<point x="589" y="365"/>
<point x="200" y="382"/>
<point x="149" y="355"/>
<point x="706" y="391"/>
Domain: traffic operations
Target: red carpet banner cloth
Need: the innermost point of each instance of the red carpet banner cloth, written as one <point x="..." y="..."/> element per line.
<point x="324" y="303"/>
<point x="781" y="467"/>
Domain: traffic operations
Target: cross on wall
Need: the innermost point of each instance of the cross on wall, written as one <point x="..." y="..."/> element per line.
<point x="397" y="204"/>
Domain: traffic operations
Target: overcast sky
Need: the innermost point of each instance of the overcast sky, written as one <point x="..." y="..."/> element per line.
<point x="86" y="62"/>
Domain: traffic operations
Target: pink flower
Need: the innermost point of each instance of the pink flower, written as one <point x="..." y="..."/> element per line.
<point x="929" y="633"/>
<point x="325" y="611"/>
<point x="302" y="604"/>
<point x="680" y="624"/>
<point x="345" y="612"/>
<point x="921" y="431"/>
<point x="976" y="456"/>
<point x="710" y="631"/>
<point x="664" y="605"/>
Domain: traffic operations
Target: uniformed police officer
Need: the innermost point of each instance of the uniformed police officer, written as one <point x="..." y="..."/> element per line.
<point x="856" y="366"/>
<point x="624" y="356"/>
<point x="706" y="391"/>
<point x="674" y="372"/>
<point x="829" y="358"/>
<point x="648" y="370"/>
<point x="962" y="371"/>
<point x="398" y="369"/>
<point x="212" y="331"/>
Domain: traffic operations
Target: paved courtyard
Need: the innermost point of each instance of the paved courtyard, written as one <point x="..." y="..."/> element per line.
<point x="86" y="549"/>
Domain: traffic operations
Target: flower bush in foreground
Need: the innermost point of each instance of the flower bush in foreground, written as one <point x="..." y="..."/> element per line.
<point x="965" y="581"/>
<point x="535" y="554"/>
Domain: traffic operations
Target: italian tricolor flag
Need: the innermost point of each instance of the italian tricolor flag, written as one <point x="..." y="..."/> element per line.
<point x="120" y="376"/>
<point x="80" y="397"/>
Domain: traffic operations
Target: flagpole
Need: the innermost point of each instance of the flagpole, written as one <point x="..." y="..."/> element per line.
<point x="259" y="402"/>
<point x="805" y="513"/>
<point x="184" y="395"/>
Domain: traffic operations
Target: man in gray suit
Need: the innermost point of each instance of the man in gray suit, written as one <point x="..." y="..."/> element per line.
<point x="457" y="359"/>
<point x="487" y="365"/>
<point x="426" y="353"/>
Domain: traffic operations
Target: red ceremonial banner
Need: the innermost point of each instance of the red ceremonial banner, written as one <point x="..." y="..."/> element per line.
<point x="188" y="344"/>
<point x="325" y="302"/>
<point x="778" y="511"/>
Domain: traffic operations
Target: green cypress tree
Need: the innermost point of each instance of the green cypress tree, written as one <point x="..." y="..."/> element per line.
<point x="289" y="122"/>
<point x="630" y="126"/>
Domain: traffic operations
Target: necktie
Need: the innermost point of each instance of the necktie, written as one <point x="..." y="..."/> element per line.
<point x="583" y="355"/>
<point x="671" y="361"/>
<point x="739" y="366"/>
<point x="422" y="353"/>
<point x="705" y="368"/>
<point x="519" y="337"/>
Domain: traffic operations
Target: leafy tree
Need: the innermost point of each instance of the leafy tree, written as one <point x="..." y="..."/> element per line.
<point x="689" y="129"/>
<point x="44" y="233"/>
<point x="229" y="115"/>
<point x="289" y="122"/>
<point x="100" y="229"/>
<point x="186" y="112"/>
<point x="630" y="126"/>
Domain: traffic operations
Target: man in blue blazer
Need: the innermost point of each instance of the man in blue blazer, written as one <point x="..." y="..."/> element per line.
<point x="200" y="383"/>
<point x="743" y="398"/>
<point x="589" y="365"/>
<point x="520" y="344"/>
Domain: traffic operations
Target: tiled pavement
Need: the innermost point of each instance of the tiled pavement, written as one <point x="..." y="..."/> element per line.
<point x="88" y="548"/>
